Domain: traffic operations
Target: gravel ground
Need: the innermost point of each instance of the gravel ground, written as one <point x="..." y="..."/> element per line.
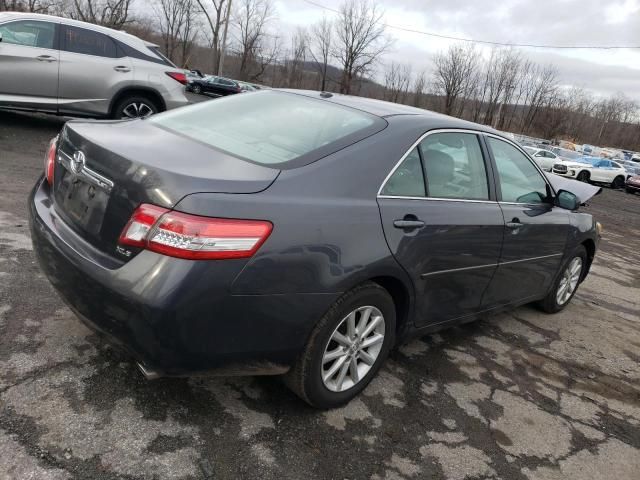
<point x="520" y="395"/>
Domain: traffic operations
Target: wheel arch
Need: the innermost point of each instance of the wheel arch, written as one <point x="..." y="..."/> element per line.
<point x="149" y="92"/>
<point x="402" y="297"/>
<point x="590" y="247"/>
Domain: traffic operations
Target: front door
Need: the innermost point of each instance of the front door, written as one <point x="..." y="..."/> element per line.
<point x="535" y="231"/>
<point x="92" y="71"/>
<point x="29" y="65"/>
<point x="443" y="225"/>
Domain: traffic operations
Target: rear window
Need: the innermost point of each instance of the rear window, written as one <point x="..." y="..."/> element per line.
<point x="272" y="128"/>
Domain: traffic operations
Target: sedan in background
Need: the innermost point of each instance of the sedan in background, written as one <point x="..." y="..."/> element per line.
<point x="544" y="158"/>
<point x="216" y="86"/>
<point x="299" y="233"/>
<point x="593" y="169"/>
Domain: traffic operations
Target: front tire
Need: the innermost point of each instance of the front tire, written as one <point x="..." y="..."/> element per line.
<point x="197" y="89"/>
<point x="346" y="348"/>
<point x="566" y="285"/>
<point x="584" y="176"/>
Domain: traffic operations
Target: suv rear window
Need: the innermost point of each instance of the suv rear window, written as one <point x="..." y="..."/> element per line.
<point x="272" y="128"/>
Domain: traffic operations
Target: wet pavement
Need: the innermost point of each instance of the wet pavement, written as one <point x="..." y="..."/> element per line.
<point x="520" y="395"/>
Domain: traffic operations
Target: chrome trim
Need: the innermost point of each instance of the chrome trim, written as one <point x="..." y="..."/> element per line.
<point x="488" y="265"/>
<point x="437" y="199"/>
<point x="463" y="269"/>
<point x="530" y="259"/>
<point x="86" y="173"/>
<point x="416" y="143"/>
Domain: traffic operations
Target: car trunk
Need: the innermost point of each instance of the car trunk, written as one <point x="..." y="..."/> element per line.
<point x="130" y="163"/>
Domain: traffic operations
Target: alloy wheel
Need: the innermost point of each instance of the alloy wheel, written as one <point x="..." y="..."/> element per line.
<point x="137" y="110"/>
<point x="353" y="348"/>
<point x="569" y="281"/>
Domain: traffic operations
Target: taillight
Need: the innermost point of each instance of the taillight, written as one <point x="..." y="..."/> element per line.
<point x="178" y="77"/>
<point x="193" y="237"/>
<point x="50" y="160"/>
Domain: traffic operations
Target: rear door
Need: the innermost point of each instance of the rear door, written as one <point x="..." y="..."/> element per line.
<point x="535" y="231"/>
<point x="29" y="64"/>
<point x="91" y="72"/>
<point x="442" y="223"/>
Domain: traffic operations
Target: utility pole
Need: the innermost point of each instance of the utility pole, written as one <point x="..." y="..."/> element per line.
<point x="224" y="39"/>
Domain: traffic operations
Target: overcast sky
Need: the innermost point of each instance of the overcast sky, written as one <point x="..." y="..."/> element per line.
<point x="558" y="22"/>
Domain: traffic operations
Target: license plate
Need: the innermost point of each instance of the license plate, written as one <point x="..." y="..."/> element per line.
<point x="82" y="202"/>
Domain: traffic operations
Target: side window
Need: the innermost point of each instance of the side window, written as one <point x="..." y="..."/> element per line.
<point x="407" y="180"/>
<point x="81" y="40"/>
<point x="29" y="33"/>
<point x="520" y="181"/>
<point x="454" y="166"/>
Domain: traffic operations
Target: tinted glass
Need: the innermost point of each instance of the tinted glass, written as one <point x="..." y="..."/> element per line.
<point x="271" y="128"/>
<point x="80" y="40"/>
<point x="407" y="180"/>
<point x="454" y="166"/>
<point x="29" y="33"/>
<point x="520" y="181"/>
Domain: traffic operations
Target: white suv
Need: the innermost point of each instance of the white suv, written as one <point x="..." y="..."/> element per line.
<point x="66" y="67"/>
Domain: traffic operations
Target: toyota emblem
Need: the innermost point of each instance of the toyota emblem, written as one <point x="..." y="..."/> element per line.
<point x="78" y="161"/>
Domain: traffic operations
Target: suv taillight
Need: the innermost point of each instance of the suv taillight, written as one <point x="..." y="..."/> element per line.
<point x="50" y="160"/>
<point x="193" y="237"/>
<point x="178" y="77"/>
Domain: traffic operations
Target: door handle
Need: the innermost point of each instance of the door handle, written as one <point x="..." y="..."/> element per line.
<point x="122" y="68"/>
<point x="46" y="58"/>
<point x="408" y="224"/>
<point x="514" y="224"/>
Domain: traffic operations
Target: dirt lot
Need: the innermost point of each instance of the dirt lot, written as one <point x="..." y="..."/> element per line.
<point x="517" y="396"/>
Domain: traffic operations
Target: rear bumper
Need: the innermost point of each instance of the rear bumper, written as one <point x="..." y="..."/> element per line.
<point x="175" y="316"/>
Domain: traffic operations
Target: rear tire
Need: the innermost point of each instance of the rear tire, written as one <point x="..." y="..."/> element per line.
<point x="617" y="183"/>
<point x="134" y="106"/>
<point x="584" y="176"/>
<point x="556" y="300"/>
<point x="310" y="378"/>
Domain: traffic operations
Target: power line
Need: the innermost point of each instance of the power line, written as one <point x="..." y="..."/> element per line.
<point x="489" y="42"/>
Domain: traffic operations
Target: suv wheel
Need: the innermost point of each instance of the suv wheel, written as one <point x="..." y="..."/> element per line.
<point x="567" y="282"/>
<point x="197" y="89"/>
<point x="584" y="176"/>
<point x="134" y="107"/>
<point x="346" y="349"/>
<point x="617" y="183"/>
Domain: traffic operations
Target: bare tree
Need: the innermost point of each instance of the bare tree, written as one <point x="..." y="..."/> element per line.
<point x="419" y="86"/>
<point x="298" y="54"/>
<point x="215" y="12"/>
<point x="320" y="48"/>
<point x="251" y="20"/>
<point x="453" y="71"/>
<point x="360" y="39"/>
<point x="176" y="20"/>
<point x="109" y="13"/>
<point x="33" y="6"/>
<point x="397" y="79"/>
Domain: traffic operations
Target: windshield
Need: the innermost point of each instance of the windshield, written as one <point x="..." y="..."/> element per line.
<point x="270" y="127"/>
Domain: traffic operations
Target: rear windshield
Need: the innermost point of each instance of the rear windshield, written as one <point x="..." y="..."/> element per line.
<point x="272" y="128"/>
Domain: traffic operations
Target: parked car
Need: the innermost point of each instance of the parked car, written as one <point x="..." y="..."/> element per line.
<point x="66" y="67"/>
<point x="631" y="167"/>
<point x="633" y="184"/>
<point x="299" y="234"/>
<point x="566" y="154"/>
<point x="593" y="169"/>
<point x="217" y="86"/>
<point x="544" y="158"/>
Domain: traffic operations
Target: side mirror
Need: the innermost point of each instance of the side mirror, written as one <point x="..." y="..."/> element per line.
<point x="567" y="200"/>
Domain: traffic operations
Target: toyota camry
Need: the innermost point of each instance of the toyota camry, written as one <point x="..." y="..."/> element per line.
<point x="299" y="233"/>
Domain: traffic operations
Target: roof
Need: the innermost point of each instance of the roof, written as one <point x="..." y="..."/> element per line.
<point x="123" y="36"/>
<point x="384" y="109"/>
